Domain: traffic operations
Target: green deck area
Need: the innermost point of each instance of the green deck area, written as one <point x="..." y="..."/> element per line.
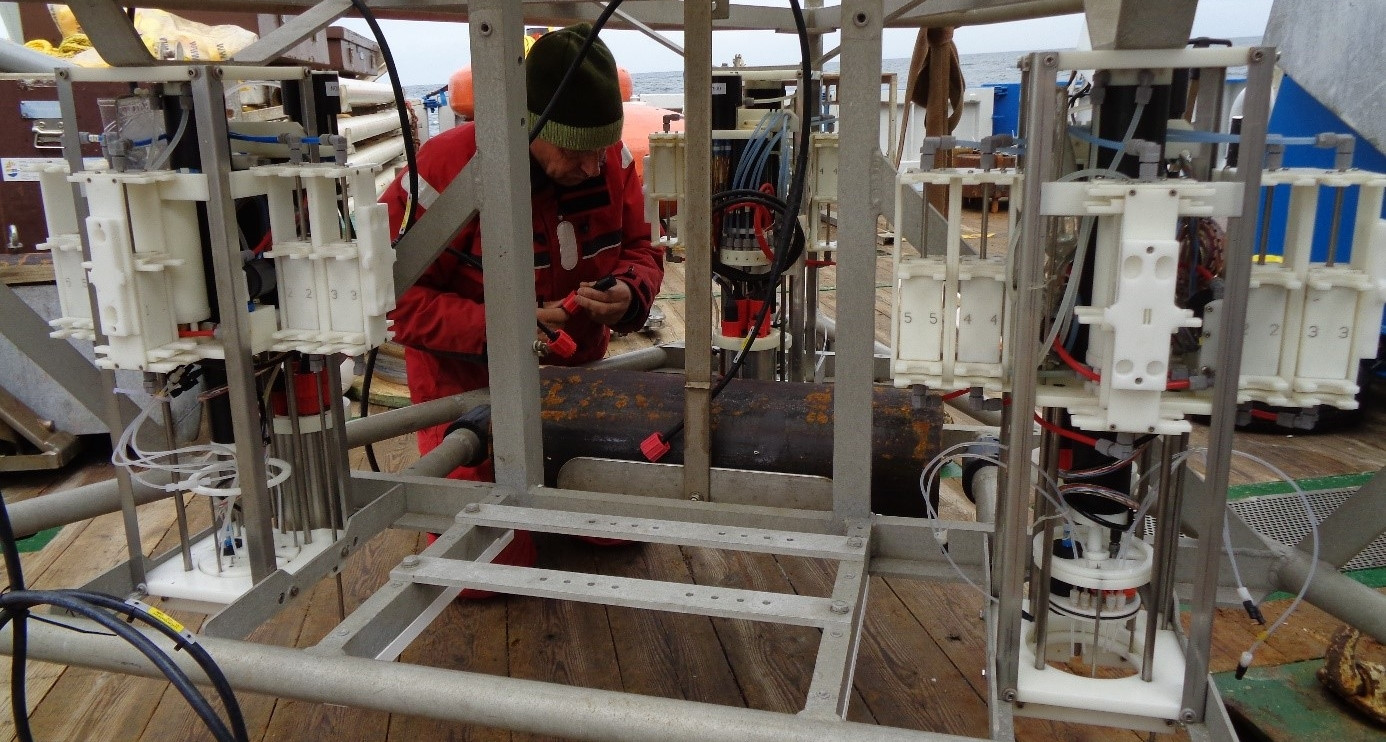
<point x="1288" y="704"/>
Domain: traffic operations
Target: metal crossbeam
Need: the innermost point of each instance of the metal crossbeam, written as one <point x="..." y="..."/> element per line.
<point x="831" y="688"/>
<point x="627" y="592"/>
<point x="453" y="210"/>
<point x="112" y="32"/>
<point x="273" y="44"/>
<point x="658" y="37"/>
<point x="57" y="358"/>
<point x="759" y="540"/>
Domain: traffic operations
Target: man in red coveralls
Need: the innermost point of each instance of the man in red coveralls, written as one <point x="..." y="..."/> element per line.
<point x="589" y="224"/>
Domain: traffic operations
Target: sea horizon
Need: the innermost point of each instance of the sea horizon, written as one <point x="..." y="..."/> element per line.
<point x="978" y="69"/>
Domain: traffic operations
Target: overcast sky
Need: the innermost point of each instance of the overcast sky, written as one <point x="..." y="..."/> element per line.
<point x="428" y="52"/>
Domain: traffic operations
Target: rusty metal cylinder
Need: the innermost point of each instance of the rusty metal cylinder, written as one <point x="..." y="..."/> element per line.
<point x="756" y="425"/>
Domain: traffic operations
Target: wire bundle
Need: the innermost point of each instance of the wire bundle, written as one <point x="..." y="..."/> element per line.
<point x="106" y="611"/>
<point x="206" y="469"/>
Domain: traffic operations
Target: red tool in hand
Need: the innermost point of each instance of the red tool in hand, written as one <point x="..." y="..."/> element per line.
<point x="570" y="302"/>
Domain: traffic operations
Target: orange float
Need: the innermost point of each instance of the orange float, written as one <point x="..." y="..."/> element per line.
<point x="463" y="101"/>
<point x="642" y="120"/>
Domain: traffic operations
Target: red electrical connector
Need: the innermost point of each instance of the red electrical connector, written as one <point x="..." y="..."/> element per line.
<point x="562" y="344"/>
<point x="654" y="447"/>
<point x="750" y="309"/>
<point x="570" y="304"/>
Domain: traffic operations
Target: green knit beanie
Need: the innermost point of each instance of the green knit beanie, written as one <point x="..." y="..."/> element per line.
<point x="587" y="115"/>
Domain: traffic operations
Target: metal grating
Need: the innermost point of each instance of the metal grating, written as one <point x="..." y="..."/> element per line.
<point x="1281" y="517"/>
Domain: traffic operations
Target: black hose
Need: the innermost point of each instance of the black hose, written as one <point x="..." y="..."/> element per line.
<point x="734" y="198"/>
<point x="196" y="651"/>
<point x="366" y="377"/>
<point x="401" y="106"/>
<point x="19" y="703"/>
<point x="784" y="229"/>
<point x="14" y="607"/>
<point x="156" y="655"/>
<point x="411" y="214"/>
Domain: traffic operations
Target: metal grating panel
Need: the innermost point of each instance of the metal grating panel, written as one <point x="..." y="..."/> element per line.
<point x="1281" y="517"/>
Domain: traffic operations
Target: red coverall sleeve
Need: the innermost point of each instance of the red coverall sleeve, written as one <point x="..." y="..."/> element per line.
<point x="641" y="264"/>
<point x="442" y="312"/>
<point x="433" y="316"/>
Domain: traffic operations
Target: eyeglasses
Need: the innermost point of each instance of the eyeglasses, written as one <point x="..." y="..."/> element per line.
<point x="584" y="157"/>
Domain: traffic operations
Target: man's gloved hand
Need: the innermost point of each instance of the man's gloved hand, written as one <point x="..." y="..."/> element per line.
<point x="606" y="307"/>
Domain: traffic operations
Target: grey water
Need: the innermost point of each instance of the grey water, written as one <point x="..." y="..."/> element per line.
<point x="977" y="69"/>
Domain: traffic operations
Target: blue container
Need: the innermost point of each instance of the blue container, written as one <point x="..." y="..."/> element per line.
<point x="1298" y="114"/>
<point x="1005" y="113"/>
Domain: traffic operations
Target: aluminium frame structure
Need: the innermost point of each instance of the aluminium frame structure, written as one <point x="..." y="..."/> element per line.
<point x="476" y="519"/>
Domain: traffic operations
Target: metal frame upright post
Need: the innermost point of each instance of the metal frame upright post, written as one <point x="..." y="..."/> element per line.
<point x="214" y="150"/>
<point x="1012" y="532"/>
<point x="502" y="135"/>
<point x="1241" y="236"/>
<point x="696" y="225"/>
<point x="860" y="102"/>
<point x="112" y="413"/>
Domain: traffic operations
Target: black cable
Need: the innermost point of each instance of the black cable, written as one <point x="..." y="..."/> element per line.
<point x="19" y="704"/>
<point x="572" y="68"/>
<point x="411" y="214"/>
<point x="14" y="607"/>
<point x="152" y="651"/>
<point x="1098" y="519"/>
<point x="784" y="228"/>
<point x="731" y="199"/>
<point x="410" y="161"/>
<point x="196" y="651"/>
<point x="367" y="375"/>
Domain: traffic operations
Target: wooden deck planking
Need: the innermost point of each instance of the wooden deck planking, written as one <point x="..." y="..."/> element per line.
<point x="665" y="654"/>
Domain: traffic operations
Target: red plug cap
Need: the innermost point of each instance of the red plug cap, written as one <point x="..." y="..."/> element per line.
<point x="654" y="447"/>
<point x="563" y="346"/>
<point x="570" y="304"/>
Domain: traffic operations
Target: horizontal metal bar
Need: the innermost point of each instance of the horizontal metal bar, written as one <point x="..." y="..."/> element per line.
<point x="415" y="417"/>
<point x="968" y="13"/>
<point x="702" y="600"/>
<point x="693" y="511"/>
<point x="764" y="541"/>
<point x="179" y="73"/>
<point x="400" y="609"/>
<point x="453" y="695"/>
<point x="1139" y="59"/>
<point x="645" y="359"/>
<point x="79" y="503"/>
<point x="442" y="601"/>
<point x="1335" y="593"/>
<point x="456" y="449"/>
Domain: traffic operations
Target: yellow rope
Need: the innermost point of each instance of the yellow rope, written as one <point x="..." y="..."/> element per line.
<point x="71" y="46"/>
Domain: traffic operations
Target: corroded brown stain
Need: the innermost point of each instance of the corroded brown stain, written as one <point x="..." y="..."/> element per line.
<point x="818" y="405"/>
